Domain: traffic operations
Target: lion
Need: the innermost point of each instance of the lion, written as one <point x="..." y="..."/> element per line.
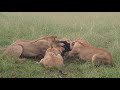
<point x="29" y="48"/>
<point x="90" y="53"/>
<point x="53" y="58"/>
<point x="71" y="44"/>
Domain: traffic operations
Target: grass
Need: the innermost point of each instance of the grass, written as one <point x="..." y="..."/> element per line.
<point x="100" y="29"/>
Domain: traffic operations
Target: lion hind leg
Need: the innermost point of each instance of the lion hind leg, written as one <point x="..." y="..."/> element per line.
<point x="13" y="51"/>
<point x="97" y="59"/>
<point x="100" y="59"/>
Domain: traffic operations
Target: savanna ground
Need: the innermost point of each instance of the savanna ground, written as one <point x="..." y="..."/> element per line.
<point x="100" y="29"/>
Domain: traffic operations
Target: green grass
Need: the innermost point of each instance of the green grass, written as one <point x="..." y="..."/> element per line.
<point x="100" y="29"/>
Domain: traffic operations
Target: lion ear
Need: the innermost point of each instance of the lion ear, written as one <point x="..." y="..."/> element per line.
<point x="52" y="45"/>
<point x="72" y="43"/>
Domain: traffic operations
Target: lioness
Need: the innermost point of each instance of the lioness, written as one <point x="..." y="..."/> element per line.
<point x="89" y="53"/>
<point x="52" y="58"/>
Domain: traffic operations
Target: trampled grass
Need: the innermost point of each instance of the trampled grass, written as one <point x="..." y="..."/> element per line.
<point x="100" y="29"/>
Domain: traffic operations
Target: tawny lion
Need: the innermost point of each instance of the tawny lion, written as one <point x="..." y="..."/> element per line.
<point x="29" y="48"/>
<point x="90" y="53"/>
<point x="53" y="58"/>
